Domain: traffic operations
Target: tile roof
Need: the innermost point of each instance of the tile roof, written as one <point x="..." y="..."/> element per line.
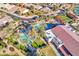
<point x="70" y="39"/>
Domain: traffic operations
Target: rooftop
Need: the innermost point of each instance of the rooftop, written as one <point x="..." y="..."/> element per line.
<point x="70" y="39"/>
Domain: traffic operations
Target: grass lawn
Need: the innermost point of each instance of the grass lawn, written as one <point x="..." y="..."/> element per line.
<point x="1" y="47"/>
<point x="34" y="45"/>
<point x="37" y="43"/>
<point x="65" y="18"/>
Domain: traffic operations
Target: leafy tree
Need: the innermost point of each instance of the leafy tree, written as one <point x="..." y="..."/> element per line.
<point x="20" y="46"/>
<point x="2" y="44"/>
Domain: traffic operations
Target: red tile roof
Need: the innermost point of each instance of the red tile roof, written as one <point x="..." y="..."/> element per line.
<point x="70" y="39"/>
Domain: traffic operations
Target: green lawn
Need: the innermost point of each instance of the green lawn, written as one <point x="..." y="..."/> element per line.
<point x="65" y="18"/>
<point x="38" y="42"/>
<point x="1" y="47"/>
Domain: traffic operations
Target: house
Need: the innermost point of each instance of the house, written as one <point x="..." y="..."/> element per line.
<point x="72" y="16"/>
<point x="45" y="9"/>
<point x="38" y="7"/>
<point x="5" y="20"/>
<point x="8" y="7"/>
<point x="70" y="39"/>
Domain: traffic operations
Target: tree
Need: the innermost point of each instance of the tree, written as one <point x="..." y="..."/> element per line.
<point x="20" y="46"/>
<point x="3" y="44"/>
<point x="11" y="49"/>
<point x="15" y="43"/>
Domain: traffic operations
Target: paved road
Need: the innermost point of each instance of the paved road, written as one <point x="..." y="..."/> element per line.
<point x="23" y="17"/>
<point x="16" y="15"/>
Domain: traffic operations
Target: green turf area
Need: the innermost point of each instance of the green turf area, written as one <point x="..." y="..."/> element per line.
<point x="65" y="18"/>
<point x="34" y="45"/>
<point x="20" y="46"/>
<point x="38" y="43"/>
<point x="1" y="47"/>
